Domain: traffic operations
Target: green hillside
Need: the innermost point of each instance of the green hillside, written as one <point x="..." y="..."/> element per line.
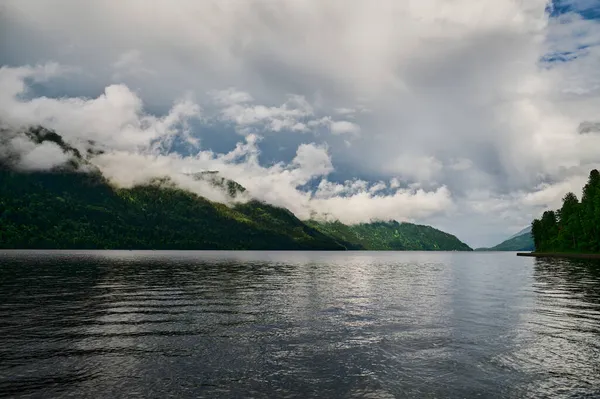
<point x="65" y="208"/>
<point x="523" y="242"/>
<point x="77" y="210"/>
<point x="392" y="236"/>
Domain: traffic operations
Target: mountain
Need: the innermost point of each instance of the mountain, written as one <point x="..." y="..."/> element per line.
<point x="81" y="210"/>
<point x="521" y="241"/>
<point x="234" y="189"/>
<point x="392" y="236"/>
<point x="520" y="233"/>
<point x="67" y="208"/>
<point x="72" y="206"/>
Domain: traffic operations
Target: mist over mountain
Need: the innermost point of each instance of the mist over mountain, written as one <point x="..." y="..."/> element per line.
<point x="474" y="116"/>
<point x="72" y="205"/>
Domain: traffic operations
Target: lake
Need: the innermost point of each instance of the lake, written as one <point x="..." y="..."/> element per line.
<point x="88" y="324"/>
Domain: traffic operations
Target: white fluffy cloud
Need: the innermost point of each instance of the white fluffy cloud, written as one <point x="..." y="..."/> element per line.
<point x="134" y="141"/>
<point x="449" y="96"/>
<point x="115" y="119"/>
<point x="37" y="157"/>
<point x="344" y="127"/>
<point x="238" y="108"/>
<point x="296" y="114"/>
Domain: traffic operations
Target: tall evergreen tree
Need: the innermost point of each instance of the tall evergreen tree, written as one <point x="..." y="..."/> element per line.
<point x="575" y="226"/>
<point x="591" y="212"/>
<point x="536" y="232"/>
<point x="569" y="225"/>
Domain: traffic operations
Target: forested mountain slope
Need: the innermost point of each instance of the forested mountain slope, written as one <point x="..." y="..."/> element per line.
<point x="79" y="210"/>
<point x="72" y="206"/>
<point x="522" y="241"/>
<point x="391" y="236"/>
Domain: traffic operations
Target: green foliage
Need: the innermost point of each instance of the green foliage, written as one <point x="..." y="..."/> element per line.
<point x="233" y="188"/>
<point x="63" y="209"/>
<point x="390" y="236"/>
<point x="70" y="210"/>
<point x="522" y="242"/>
<point x="575" y="227"/>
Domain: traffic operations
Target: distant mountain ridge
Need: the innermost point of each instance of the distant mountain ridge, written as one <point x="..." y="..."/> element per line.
<point x="390" y="236"/>
<point x="72" y="206"/>
<point x="521" y="241"/>
<point x="520" y="233"/>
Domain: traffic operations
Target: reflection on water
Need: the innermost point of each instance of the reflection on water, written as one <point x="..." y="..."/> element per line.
<point x="297" y="324"/>
<point x="562" y="342"/>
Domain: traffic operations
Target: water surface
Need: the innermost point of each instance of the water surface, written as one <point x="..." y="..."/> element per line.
<point x="297" y="324"/>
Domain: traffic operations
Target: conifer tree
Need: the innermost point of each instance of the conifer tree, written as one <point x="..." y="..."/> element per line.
<point x="575" y="226"/>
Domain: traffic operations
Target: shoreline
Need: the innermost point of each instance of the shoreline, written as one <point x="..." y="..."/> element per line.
<point x="563" y="255"/>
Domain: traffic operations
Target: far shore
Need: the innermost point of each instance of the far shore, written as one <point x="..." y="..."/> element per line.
<point x="564" y="255"/>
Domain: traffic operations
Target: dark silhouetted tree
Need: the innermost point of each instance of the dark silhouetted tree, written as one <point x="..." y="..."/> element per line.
<point x="575" y="226"/>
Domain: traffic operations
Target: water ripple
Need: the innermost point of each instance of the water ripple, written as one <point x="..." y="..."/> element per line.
<point x="267" y="324"/>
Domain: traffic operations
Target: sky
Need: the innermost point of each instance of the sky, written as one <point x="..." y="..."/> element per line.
<point x="473" y="116"/>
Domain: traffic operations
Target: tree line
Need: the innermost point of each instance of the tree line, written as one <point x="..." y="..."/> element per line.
<point x="70" y="210"/>
<point x="575" y="227"/>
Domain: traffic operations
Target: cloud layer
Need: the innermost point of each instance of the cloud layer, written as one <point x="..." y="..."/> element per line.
<point x="135" y="148"/>
<point x="464" y="114"/>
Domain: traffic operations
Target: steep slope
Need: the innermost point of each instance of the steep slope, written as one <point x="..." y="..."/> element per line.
<point x="520" y="233"/>
<point x="522" y="241"/>
<point x="234" y="189"/>
<point x="79" y="210"/>
<point x="390" y="236"/>
<point x="67" y="208"/>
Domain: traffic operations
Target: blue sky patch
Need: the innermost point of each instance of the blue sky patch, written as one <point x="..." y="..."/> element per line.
<point x="588" y="9"/>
